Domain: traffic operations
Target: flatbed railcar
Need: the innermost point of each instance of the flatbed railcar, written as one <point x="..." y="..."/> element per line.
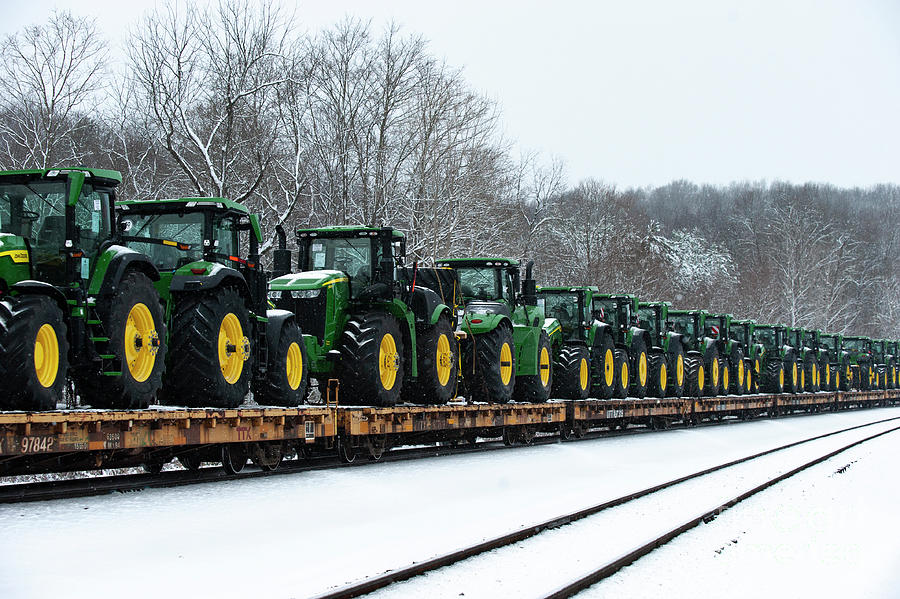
<point x="78" y="440"/>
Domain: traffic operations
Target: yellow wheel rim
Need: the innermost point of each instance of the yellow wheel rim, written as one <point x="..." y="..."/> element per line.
<point x="802" y="379"/>
<point x="46" y="355"/>
<point x="388" y="361"/>
<point x="781" y="377"/>
<point x="815" y="380"/>
<point x="642" y="369"/>
<point x="625" y="375"/>
<point x="749" y="381"/>
<point x="544" y="364"/>
<point x="141" y="342"/>
<point x="715" y="372"/>
<point x="725" y="376"/>
<point x="679" y="370"/>
<point x="740" y="373"/>
<point x="757" y="366"/>
<point x="609" y="368"/>
<point x="583" y="374"/>
<point x="828" y="375"/>
<point x="294" y="366"/>
<point x="234" y="348"/>
<point x="794" y="375"/>
<point x="663" y="377"/>
<point x="443" y="359"/>
<point x="701" y="378"/>
<point x="506" y="363"/>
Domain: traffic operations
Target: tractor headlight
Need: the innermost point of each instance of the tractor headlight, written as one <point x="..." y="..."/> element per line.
<point x="306" y="293"/>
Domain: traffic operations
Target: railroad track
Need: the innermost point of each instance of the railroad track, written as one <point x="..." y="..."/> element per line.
<point x="417" y="571"/>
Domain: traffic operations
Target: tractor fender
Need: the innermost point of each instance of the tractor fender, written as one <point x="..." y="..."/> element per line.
<point x="426" y="305"/>
<point x="554" y="330"/>
<point x="440" y="310"/>
<point x="112" y="266"/>
<point x="644" y="335"/>
<point x="486" y="322"/>
<point x="31" y="287"/>
<point x="276" y="319"/>
<point x="217" y="275"/>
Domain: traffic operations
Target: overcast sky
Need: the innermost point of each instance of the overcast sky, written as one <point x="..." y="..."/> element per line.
<point x="642" y="93"/>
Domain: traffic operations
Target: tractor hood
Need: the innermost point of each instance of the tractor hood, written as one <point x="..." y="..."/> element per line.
<point x="313" y="279"/>
<point x="14" y="264"/>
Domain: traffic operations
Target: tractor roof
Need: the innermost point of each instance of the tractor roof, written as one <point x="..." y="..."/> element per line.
<point x="744" y="321"/>
<point x="463" y="262"/>
<point x="688" y="312"/>
<point x="341" y="232"/>
<point x="168" y="204"/>
<point x="628" y="296"/>
<point x="99" y="173"/>
<point x="654" y="304"/>
<point x="570" y="289"/>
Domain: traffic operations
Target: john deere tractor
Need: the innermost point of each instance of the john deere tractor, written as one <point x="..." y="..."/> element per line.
<point x="859" y="350"/>
<point x="223" y="339"/>
<point x="781" y="372"/>
<point x="804" y="342"/>
<point x="667" y="352"/>
<point x="884" y="354"/>
<point x="508" y="351"/>
<point x="704" y="363"/>
<point x="633" y="343"/>
<point x="73" y="301"/>
<point x="840" y="374"/>
<point x="384" y="330"/>
<point x="584" y="363"/>
<point x="742" y="331"/>
<point x="731" y="352"/>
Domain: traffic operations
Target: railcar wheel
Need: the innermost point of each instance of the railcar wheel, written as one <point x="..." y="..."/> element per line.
<point x="346" y="452"/>
<point x="234" y="457"/>
<point x="190" y="461"/>
<point x="267" y="456"/>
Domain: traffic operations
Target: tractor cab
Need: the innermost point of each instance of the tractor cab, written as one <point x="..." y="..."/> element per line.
<point x="571" y="307"/>
<point x="488" y="280"/>
<point x="691" y="325"/>
<point x="772" y="337"/>
<point x="619" y="311"/>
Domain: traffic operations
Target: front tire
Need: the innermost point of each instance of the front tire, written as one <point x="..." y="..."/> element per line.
<point x="659" y="375"/>
<point x="603" y="369"/>
<point x="571" y="373"/>
<point x="491" y="366"/>
<point x="33" y="353"/>
<point x="536" y="387"/>
<point x="287" y="374"/>
<point x="438" y="355"/>
<point x="640" y="363"/>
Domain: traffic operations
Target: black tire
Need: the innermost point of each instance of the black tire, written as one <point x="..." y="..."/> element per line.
<point x="845" y="375"/>
<point x="287" y="374"/>
<point x="826" y="375"/>
<point x="811" y="373"/>
<point x="713" y="371"/>
<point x="659" y="374"/>
<point x="677" y="367"/>
<point x="194" y="375"/>
<point x="29" y="382"/>
<point x="792" y="370"/>
<point x="571" y="373"/>
<point x="758" y="374"/>
<point x="738" y="372"/>
<point x="603" y="368"/>
<point x="773" y="377"/>
<point x="724" y="376"/>
<point x="696" y="375"/>
<point x="640" y="368"/>
<point x="749" y="376"/>
<point x="488" y="378"/>
<point x="623" y="374"/>
<point x="536" y="387"/>
<point x="372" y="360"/>
<point x="121" y="314"/>
<point x="438" y="355"/>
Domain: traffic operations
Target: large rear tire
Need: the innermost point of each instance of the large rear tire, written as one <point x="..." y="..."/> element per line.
<point x="738" y="372"/>
<point x="134" y="321"/>
<point x="210" y="353"/>
<point x="572" y="373"/>
<point x="623" y="374"/>
<point x="659" y="375"/>
<point x="603" y="368"/>
<point x="713" y="372"/>
<point x="33" y="353"/>
<point x="372" y="360"/>
<point x="287" y="374"/>
<point x="773" y="377"/>
<point x="696" y="375"/>
<point x="677" y="372"/>
<point x="536" y="387"/>
<point x="640" y="364"/>
<point x="491" y="366"/>
<point x="438" y="355"/>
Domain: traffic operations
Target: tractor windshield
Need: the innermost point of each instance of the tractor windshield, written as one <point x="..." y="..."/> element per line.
<point x="564" y="308"/>
<point x="185" y="228"/>
<point x="487" y="284"/>
<point x="647" y="318"/>
<point x="766" y="336"/>
<point x="739" y="334"/>
<point x="352" y="256"/>
<point x="856" y="345"/>
<point x="683" y="324"/>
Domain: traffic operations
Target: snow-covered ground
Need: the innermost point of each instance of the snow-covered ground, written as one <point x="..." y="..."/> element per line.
<point x="298" y="535"/>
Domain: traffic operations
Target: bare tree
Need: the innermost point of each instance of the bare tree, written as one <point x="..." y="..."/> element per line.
<point x="48" y="75"/>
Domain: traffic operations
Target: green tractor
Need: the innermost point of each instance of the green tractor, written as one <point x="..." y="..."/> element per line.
<point x="862" y="364"/>
<point x="704" y="364"/>
<point x="223" y="341"/>
<point x="584" y="363"/>
<point x="804" y="342"/>
<point x="838" y="373"/>
<point x="731" y="351"/>
<point x="384" y="330"/>
<point x="73" y="302"/>
<point x="667" y="352"/>
<point x="742" y="331"/>
<point x="781" y="373"/>
<point x="884" y="353"/>
<point x="633" y="344"/>
<point x="509" y="345"/>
